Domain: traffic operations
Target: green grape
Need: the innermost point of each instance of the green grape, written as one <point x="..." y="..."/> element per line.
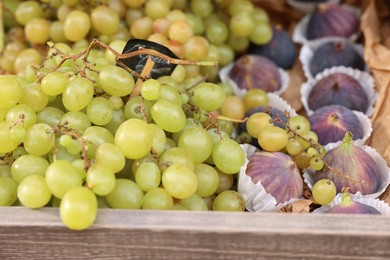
<point x="226" y="54"/>
<point x="238" y="44"/>
<point x="141" y="28"/>
<point x="217" y="135"/>
<point x="239" y="6"/>
<point x="208" y="180"/>
<point x="110" y="155"/>
<point x="8" y="191"/>
<point x="259" y="15"/>
<point x="39" y="139"/>
<point x="150" y="89"/>
<point x="23" y="115"/>
<point x="323" y="191"/>
<point x="74" y="147"/>
<point x="115" y="81"/>
<point x="307" y="138"/>
<point x="34" y="97"/>
<point x="100" y="111"/>
<point x="190" y="122"/>
<point x="104" y="20"/>
<point x="302" y="160"/>
<point x="17" y="133"/>
<point x="180" y="31"/>
<point x="256" y="122"/>
<point x="26" y="165"/>
<point x="37" y="31"/>
<point x="228" y="156"/>
<point x="159" y="139"/>
<point x="196" y="22"/>
<point x="195" y="203"/>
<point x="169" y="116"/>
<point x="33" y="192"/>
<point x="299" y="124"/>
<point x="241" y="24"/>
<point x="75" y="120"/>
<point x="78" y="208"/>
<point x="136" y="163"/>
<point x="148" y="176"/>
<point x="196" y="48"/>
<point x="202" y="8"/>
<point x="77" y="94"/>
<point x="94" y="136"/>
<point x="57" y="32"/>
<point x="125" y="195"/>
<point x="294" y="147"/>
<point x="62" y="176"/>
<point x="198" y="141"/>
<point x="157" y="199"/>
<point x="170" y="93"/>
<point x="156" y="8"/>
<point x="170" y="144"/>
<point x="254" y="98"/>
<point x="179" y="181"/>
<point x="79" y="165"/>
<point x="100" y="179"/>
<point x="137" y="107"/>
<point x="118" y="117"/>
<point x="177" y="155"/>
<point x="25" y="58"/>
<point x="7" y="143"/>
<point x="5" y="171"/>
<point x="61" y="153"/>
<point x="77" y="25"/>
<point x="229" y="200"/>
<point x="11" y="91"/>
<point x="261" y="34"/>
<point x="116" y="102"/>
<point x="217" y="32"/>
<point x="179" y="73"/>
<point x="311" y="151"/>
<point x="208" y="96"/>
<point x="316" y="163"/>
<point x="272" y="138"/>
<point x="134" y="138"/>
<point x="54" y="83"/>
<point x="26" y="11"/>
<point x="118" y="46"/>
<point x="65" y="140"/>
<point x="233" y="107"/>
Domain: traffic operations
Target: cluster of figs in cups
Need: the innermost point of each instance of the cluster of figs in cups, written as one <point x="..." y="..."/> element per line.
<point x="338" y="97"/>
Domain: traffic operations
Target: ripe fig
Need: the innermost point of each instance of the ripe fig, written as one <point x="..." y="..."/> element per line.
<point x="332" y="20"/>
<point x="277" y="173"/>
<point x="350" y="166"/>
<point x="332" y="122"/>
<point x="280" y="49"/>
<point x="335" y="53"/>
<point x="255" y="71"/>
<point x="349" y="206"/>
<point x="338" y="89"/>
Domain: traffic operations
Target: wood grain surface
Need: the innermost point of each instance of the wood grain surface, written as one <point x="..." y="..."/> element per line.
<point x="143" y="234"/>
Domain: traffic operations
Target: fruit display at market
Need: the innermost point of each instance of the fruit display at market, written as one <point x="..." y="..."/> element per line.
<point x="120" y="104"/>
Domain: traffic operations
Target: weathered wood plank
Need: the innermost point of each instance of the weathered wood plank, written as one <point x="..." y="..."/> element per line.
<point x="136" y="234"/>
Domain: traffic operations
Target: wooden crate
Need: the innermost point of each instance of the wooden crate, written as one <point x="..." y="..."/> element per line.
<point x="145" y="234"/>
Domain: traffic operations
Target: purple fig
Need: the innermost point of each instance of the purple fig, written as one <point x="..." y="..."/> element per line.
<point x="255" y="71"/>
<point x="349" y="206"/>
<point x="335" y="53"/>
<point x="280" y="49"/>
<point x="349" y="166"/>
<point x="338" y="89"/>
<point x="277" y="173"/>
<point x="330" y="20"/>
<point x="331" y="123"/>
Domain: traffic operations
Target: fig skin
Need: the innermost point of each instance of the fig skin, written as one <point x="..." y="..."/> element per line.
<point x="335" y="53"/>
<point x="255" y="71"/>
<point x="331" y="123"/>
<point x="338" y="89"/>
<point x="349" y="206"/>
<point x="332" y="20"/>
<point x="349" y="166"/>
<point x="277" y="173"/>
<point x="280" y="49"/>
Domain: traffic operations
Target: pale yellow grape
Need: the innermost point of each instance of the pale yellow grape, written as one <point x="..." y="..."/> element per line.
<point x="37" y="31"/>
<point x="141" y="28"/>
<point x="156" y="8"/>
<point x="39" y="139"/>
<point x="168" y="115"/>
<point x="179" y="181"/>
<point x="77" y="94"/>
<point x="54" y="83"/>
<point x="28" y="10"/>
<point x="256" y="122"/>
<point x="10" y="91"/>
<point x="100" y="179"/>
<point x="34" y="97"/>
<point x="175" y="15"/>
<point x="159" y="139"/>
<point x="134" y="138"/>
<point x="77" y="25"/>
<point x="125" y="195"/>
<point x="196" y="48"/>
<point x="272" y="138"/>
<point x="8" y="191"/>
<point x="115" y="81"/>
<point x="26" y="57"/>
<point x="99" y="111"/>
<point x="7" y="143"/>
<point x="104" y="20"/>
<point x="180" y="31"/>
<point x="118" y="46"/>
<point x="110" y="155"/>
<point x="57" y="32"/>
<point x="33" y="192"/>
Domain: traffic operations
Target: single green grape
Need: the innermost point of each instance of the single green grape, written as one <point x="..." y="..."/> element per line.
<point x="324" y="191"/>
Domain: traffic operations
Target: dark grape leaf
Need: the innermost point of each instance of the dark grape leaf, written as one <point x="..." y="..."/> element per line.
<point x="137" y="63"/>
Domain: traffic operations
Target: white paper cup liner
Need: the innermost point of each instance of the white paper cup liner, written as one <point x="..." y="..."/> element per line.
<point x="225" y="78"/>
<point x="379" y="205"/>
<point x="307" y="7"/>
<point x="308" y="49"/>
<point x="255" y="196"/>
<point x="300" y="30"/>
<point x="276" y="101"/>
<point x="364" y="78"/>
<point x="384" y="170"/>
